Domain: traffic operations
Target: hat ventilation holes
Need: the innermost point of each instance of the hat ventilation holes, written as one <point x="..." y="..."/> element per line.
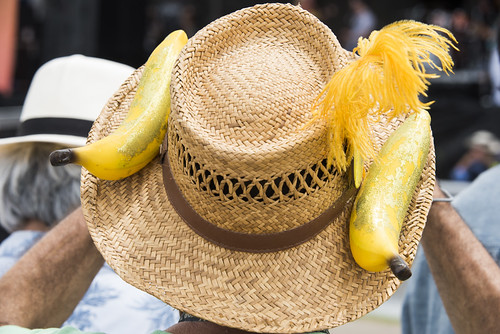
<point x="278" y="188"/>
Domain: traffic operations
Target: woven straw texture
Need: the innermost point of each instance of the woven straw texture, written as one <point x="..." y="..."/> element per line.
<point x="245" y="159"/>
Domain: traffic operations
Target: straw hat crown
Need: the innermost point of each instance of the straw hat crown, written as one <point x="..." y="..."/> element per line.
<point x="242" y="158"/>
<point x="241" y="102"/>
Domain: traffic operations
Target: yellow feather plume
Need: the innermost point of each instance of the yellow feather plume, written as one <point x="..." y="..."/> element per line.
<point x="387" y="78"/>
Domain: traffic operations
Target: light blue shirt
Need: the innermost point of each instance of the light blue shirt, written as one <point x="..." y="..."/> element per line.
<point x="110" y="305"/>
<point x="479" y="206"/>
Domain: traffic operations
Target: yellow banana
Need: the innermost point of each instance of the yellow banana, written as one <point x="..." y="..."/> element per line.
<point x="385" y="195"/>
<point x="137" y="140"/>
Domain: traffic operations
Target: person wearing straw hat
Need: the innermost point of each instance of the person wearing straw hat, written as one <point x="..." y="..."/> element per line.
<point x="240" y="222"/>
<point x="64" y="99"/>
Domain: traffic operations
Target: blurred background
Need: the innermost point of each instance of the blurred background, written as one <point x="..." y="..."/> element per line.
<point x="465" y="116"/>
<point x="35" y="31"/>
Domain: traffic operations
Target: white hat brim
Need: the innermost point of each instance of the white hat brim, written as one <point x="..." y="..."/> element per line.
<point x="64" y="140"/>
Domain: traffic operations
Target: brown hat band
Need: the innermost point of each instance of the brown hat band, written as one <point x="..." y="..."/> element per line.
<point x="244" y="242"/>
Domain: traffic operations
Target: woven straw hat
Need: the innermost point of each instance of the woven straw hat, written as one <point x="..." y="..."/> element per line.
<point x="253" y="232"/>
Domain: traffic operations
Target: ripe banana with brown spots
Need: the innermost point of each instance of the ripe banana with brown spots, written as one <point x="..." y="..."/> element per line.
<point x="385" y="194"/>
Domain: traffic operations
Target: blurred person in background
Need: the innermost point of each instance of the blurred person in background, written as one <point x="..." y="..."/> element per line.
<point x="362" y="22"/>
<point x="63" y="100"/>
<point x="494" y="68"/>
<point x="483" y="148"/>
<point x="469" y="42"/>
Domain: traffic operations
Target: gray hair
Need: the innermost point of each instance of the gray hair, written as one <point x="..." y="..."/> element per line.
<point x="32" y="189"/>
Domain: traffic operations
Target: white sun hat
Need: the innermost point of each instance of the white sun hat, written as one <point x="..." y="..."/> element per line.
<point x="65" y="97"/>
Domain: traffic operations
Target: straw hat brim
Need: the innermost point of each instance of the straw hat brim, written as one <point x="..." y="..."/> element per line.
<point x="316" y="285"/>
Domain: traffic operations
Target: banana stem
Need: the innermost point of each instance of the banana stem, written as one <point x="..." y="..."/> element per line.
<point x="400" y="268"/>
<point x="62" y="157"/>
